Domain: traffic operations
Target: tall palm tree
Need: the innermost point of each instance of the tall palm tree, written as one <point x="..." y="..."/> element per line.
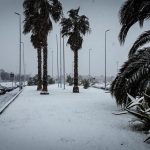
<point x="133" y="77"/>
<point x="36" y="43"/>
<point x="75" y="27"/>
<point x="39" y="15"/>
<point x="31" y="25"/>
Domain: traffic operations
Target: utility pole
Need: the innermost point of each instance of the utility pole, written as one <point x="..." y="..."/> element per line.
<point x="57" y="60"/>
<point x="52" y="63"/>
<point x="60" y="64"/>
<point x="20" y="83"/>
<point x="64" y="63"/>
<point x="89" y="64"/>
<point x="117" y="66"/>
<point x="105" y="57"/>
<point x="23" y="63"/>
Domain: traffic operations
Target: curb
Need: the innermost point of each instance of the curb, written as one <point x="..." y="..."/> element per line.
<point x="96" y="87"/>
<point x="8" y="103"/>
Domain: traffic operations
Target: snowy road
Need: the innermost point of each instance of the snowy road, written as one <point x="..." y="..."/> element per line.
<point x="7" y="97"/>
<point x="66" y="121"/>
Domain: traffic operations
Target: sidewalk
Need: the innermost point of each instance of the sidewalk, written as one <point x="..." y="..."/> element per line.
<point x="66" y="121"/>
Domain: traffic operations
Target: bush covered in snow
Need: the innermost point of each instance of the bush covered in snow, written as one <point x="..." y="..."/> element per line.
<point x="86" y="83"/>
<point x="34" y="80"/>
<point x="69" y="80"/>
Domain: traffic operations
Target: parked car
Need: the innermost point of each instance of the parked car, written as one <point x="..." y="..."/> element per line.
<point x="8" y="89"/>
<point x="2" y="90"/>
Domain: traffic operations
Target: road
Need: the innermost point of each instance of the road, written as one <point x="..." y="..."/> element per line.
<point x="7" y="97"/>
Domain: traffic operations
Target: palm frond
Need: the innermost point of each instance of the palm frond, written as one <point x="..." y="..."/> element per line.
<point x="131" y="12"/>
<point x="56" y="10"/>
<point x="125" y="12"/>
<point x="142" y="39"/>
<point x="124" y="30"/>
<point x="73" y="13"/>
<point x="67" y="26"/>
<point x="75" y="27"/>
<point x="83" y="25"/>
<point x="132" y="75"/>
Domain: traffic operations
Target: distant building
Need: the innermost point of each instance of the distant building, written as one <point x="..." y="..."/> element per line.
<point x="1" y="70"/>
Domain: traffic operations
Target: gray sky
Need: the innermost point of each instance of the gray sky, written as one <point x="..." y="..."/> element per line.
<point x="102" y="14"/>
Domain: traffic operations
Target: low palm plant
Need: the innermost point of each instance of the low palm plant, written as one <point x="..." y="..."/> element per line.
<point x="140" y="108"/>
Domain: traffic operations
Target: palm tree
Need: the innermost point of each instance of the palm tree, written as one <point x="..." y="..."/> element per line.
<point x="74" y="28"/>
<point x="31" y="25"/>
<point x="35" y="42"/>
<point x="38" y="21"/>
<point x="133" y="77"/>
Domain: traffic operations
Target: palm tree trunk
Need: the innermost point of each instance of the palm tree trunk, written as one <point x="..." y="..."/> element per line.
<point x="75" y="88"/>
<point x="45" y="90"/>
<point x="39" y="84"/>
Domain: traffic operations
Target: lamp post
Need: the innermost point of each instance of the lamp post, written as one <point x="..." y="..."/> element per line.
<point x="20" y="85"/>
<point x="52" y="62"/>
<point x="60" y="63"/>
<point x="105" y="56"/>
<point x="64" y="71"/>
<point x="89" y="63"/>
<point x="23" y="63"/>
<point x="57" y="60"/>
<point x="117" y="66"/>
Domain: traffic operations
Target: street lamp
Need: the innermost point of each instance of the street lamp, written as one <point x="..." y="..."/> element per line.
<point x="23" y="63"/>
<point x="117" y="66"/>
<point x="52" y="62"/>
<point x="57" y="60"/>
<point x="89" y="63"/>
<point x="20" y="86"/>
<point x="64" y="71"/>
<point x="105" y="57"/>
<point x="60" y="63"/>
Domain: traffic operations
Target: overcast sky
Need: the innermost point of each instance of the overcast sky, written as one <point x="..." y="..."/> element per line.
<point x="102" y="14"/>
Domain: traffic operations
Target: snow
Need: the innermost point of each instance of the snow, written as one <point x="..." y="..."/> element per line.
<point x="63" y="120"/>
<point x="7" y="84"/>
<point x="101" y="85"/>
<point x="7" y="97"/>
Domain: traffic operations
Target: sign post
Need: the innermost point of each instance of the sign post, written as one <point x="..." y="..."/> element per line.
<point x="12" y="78"/>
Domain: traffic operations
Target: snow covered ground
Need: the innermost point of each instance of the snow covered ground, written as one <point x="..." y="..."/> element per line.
<point x="101" y="86"/>
<point x="7" y="97"/>
<point x="7" y="84"/>
<point x="67" y="121"/>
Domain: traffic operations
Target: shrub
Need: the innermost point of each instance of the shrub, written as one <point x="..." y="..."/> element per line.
<point x="86" y="83"/>
<point x="69" y="80"/>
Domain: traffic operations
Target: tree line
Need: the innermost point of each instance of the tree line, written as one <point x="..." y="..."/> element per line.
<point x="38" y="21"/>
<point x="6" y="76"/>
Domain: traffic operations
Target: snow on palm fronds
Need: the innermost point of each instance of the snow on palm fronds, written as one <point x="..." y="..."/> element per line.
<point x="132" y="77"/>
<point x="132" y="11"/>
<point x="142" y="39"/>
<point x="140" y="108"/>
